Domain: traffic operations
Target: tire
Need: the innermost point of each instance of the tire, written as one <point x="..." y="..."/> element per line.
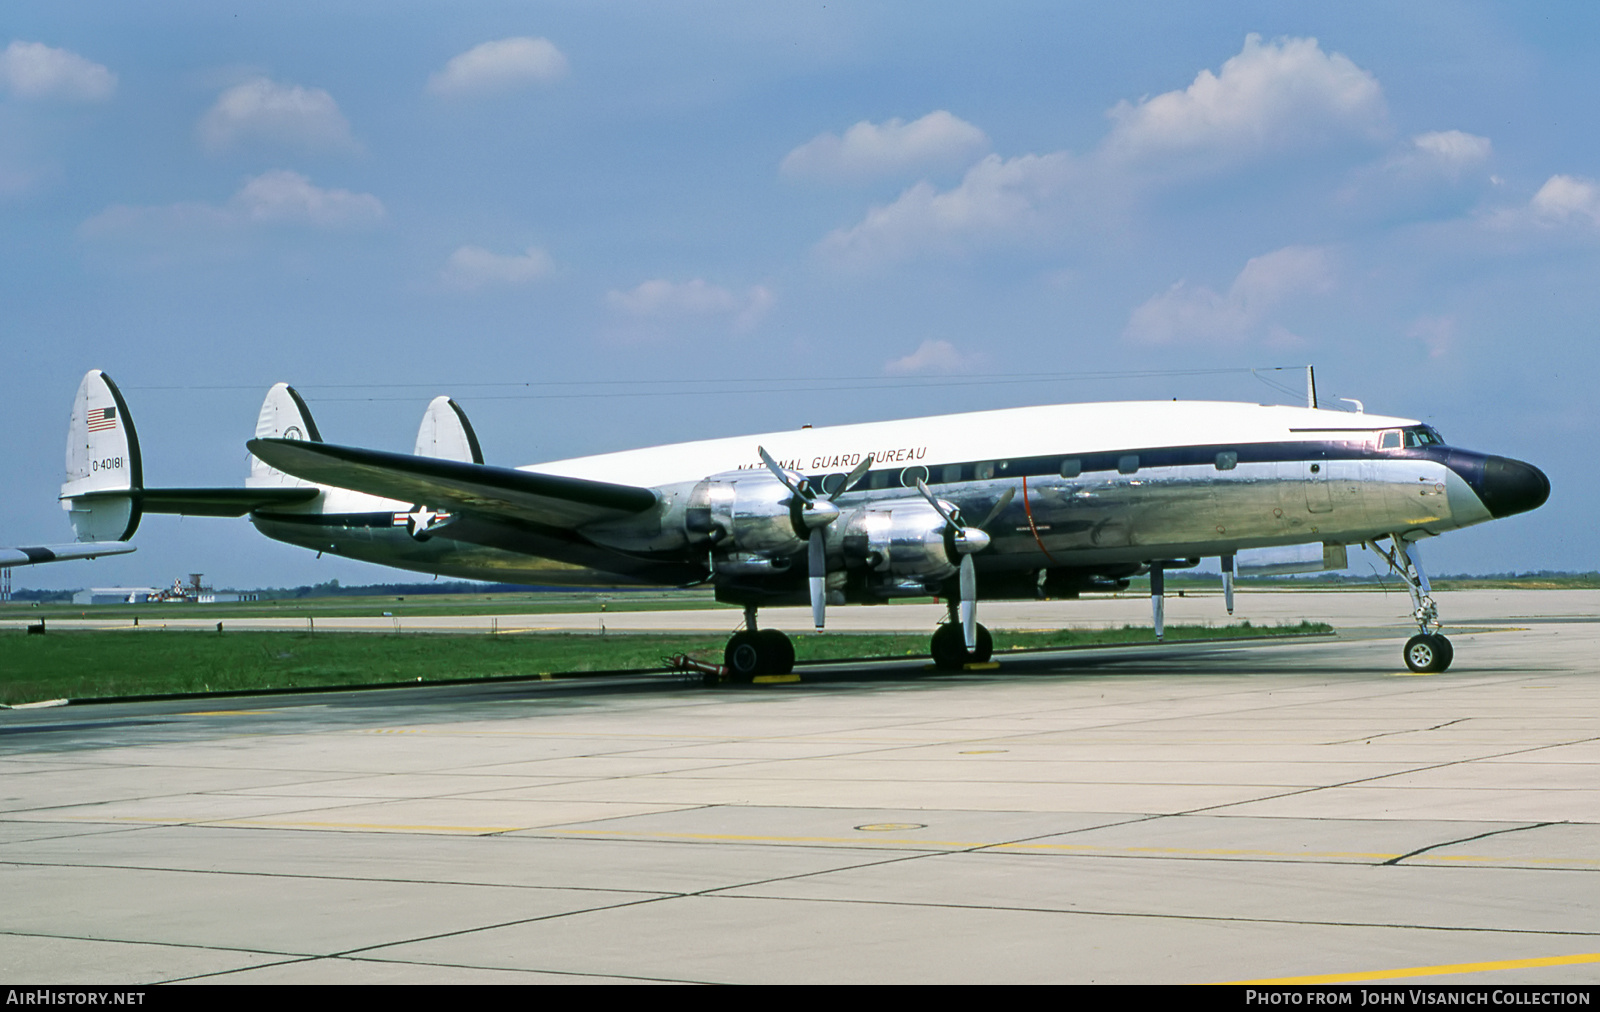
<point x="949" y="647"/>
<point x="1427" y="652"/>
<point x="1447" y="653"/>
<point x="778" y="651"/>
<point x="744" y="657"/>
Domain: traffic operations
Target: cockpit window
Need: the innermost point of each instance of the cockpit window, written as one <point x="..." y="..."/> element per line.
<point x="1412" y="438"/>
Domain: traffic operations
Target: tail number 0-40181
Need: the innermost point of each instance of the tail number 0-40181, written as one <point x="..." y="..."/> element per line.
<point x="106" y="464"/>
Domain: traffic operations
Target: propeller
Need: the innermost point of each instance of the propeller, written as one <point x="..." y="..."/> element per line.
<point x="966" y="541"/>
<point x="811" y="512"/>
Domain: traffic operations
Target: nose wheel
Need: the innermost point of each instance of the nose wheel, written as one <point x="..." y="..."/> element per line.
<point x="1428" y="652"/>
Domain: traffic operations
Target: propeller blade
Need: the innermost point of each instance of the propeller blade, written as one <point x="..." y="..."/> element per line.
<point x="936" y="504"/>
<point x="817" y="576"/>
<point x="856" y="474"/>
<point x="797" y="487"/>
<point x="969" y="602"/>
<point x="999" y="507"/>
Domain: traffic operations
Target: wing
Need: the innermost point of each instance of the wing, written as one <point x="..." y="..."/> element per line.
<point x="60" y="553"/>
<point x="504" y="492"/>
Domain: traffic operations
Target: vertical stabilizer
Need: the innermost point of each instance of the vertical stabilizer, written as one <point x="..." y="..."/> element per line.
<point x="446" y="433"/>
<point x="284" y="415"/>
<point x="104" y="473"/>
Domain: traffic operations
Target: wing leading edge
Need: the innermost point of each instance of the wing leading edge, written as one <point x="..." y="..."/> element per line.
<point x="528" y="496"/>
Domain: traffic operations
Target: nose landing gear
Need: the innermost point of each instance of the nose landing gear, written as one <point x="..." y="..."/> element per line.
<point x="1428" y="651"/>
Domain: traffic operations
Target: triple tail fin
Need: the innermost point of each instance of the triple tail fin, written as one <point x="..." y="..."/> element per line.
<point x="104" y="493"/>
<point x="104" y="472"/>
<point x="284" y="415"/>
<point x="446" y="433"/>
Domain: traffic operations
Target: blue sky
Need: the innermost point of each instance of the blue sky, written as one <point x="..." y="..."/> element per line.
<point x="600" y="226"/>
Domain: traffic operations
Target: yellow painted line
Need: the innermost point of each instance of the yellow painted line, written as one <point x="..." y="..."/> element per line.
<point x="774" y="679"/>
<point x="1430" y="971"/>
<point x="1412" y="674"/>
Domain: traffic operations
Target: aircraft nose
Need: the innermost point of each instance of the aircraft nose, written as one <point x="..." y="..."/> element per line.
<point x="1510" y="486"/>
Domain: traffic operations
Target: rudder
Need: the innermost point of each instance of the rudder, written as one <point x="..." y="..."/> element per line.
<point x="104" y="472"/>
<point x="446" y="433"/>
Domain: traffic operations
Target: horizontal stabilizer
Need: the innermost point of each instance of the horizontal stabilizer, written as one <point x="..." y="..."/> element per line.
<point x="222" y="502"/>
<point x="10" y="557"/>
<point x="440" y="484"/>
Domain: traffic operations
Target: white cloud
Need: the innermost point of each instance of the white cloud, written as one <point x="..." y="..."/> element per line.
<point x="275" y="197"/>
<point x="1269" y="99"/>
<point x="1453" y="148"/>
<point x="1184" y="313"/>
<point x="870" y="150"/>
<point x="284" y="196"/>
<point x="261" y="110"/>
<point x="500" y="66"/>
<point x="937" y="357"/>
<point x="1272" y="96"/>
<point x="997" y="199"/>
<point x="473" y="267"/>
<point x="662" y="300"/>
<point x="1567" y="198"/>
<point x="35" y="70"/>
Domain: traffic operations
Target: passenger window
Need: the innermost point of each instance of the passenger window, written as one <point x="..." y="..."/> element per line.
<point x="950" y="473"/>
<point x="878" y="479"/>
<point x="1071" y="467"/>
<point x="833" y="483"/>
<point x="1128" y="464"/>
<point x="984" y="471"/>
<point x="1389" y="441"/>
<point x="1227" y="460"/>
<point x="913" y="474"/>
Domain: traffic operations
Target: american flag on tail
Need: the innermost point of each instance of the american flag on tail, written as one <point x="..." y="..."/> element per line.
<point x="101" y="419"/>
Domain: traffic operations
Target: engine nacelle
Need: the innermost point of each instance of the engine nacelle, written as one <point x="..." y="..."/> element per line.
<point x="748" y="511"/>
<point x="900" y="539"/>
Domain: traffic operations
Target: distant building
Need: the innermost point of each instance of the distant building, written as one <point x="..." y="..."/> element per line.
<point x="115" y="595"/>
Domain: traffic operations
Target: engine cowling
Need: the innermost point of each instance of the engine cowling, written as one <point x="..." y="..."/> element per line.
<point x="746" y="511"/>
<point x="904" y="539"/>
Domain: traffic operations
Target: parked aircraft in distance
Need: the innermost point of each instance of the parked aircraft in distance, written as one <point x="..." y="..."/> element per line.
<point x="1015" y="503"/>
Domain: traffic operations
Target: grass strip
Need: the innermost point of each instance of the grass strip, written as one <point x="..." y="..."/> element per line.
<point x="90" y="665"/>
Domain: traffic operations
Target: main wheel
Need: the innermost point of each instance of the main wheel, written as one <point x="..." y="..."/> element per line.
<point x="1428" y="652"/>
<point x="950" y="651"/>
<point x="778" y="651"/>
<point x="744" y="656"/>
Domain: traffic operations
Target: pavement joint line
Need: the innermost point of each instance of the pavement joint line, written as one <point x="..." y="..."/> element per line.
<point x="1468" y="839"/>
<point x="1430" y="971"/>
<point x="1222" y="918"/>
<point x="504" y="924"/>
<point x="142" y="941"/>
<point x="1385" y="776"/>
<point x="650" y="893"/>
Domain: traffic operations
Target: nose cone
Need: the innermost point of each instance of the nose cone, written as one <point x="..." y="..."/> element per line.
<point x="1510" y="486"/>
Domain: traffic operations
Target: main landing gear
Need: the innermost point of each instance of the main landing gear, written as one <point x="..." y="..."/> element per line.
<point x="1428" y="651"/>
<point x="752" y="652"/>
<point x="949" y="647"/>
